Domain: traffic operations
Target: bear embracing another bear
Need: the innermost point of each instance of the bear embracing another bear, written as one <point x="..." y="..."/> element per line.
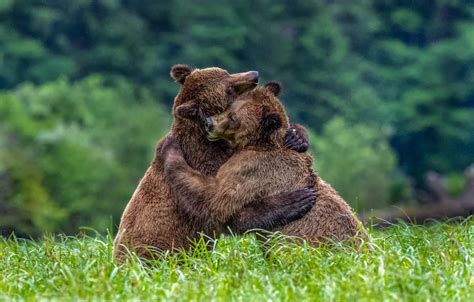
<point x="261" y="166"/>
<point x="153" y="219"/>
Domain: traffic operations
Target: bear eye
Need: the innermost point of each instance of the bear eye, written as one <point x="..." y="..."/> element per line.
<point x="230" y="90"/>
<point x="233" y="122"/>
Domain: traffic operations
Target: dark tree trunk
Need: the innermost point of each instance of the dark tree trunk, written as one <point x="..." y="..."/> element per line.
<point x="437" y="203"/>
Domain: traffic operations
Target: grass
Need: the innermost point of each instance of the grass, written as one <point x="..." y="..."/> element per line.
<point x="411" y="263"/>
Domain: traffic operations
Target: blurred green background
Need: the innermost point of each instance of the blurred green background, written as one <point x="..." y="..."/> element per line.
<point x="386" y="88"/>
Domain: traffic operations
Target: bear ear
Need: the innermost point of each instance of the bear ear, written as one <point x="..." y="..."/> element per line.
<point x="179" y="72"/>
<point x="273" y="87"/>
<point x="271" y="120"/>
<point x="188" y="111"/>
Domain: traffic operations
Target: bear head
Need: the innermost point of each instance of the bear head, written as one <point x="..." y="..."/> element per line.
<point x="209" y="91"/>
<point x="256" y="118"/>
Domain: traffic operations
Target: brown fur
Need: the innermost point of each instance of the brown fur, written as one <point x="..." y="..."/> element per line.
<point x="262" y="166"/>
<point x="152" y="217"/>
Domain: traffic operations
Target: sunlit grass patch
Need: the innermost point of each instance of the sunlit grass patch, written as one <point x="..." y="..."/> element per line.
<point x="414" y="263"/>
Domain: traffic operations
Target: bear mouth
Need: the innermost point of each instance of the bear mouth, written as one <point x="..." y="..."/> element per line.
<point x="212" y="137"/>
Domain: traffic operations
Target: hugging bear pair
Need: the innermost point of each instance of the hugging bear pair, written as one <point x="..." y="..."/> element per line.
<point x="229" y="163"/>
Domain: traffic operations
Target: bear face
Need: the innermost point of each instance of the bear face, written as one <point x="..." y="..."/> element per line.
<point x="209" y="91"/>
<point x="254" y="119"/>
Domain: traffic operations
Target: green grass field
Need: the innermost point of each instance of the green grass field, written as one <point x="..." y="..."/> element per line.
<point x="412" y="263"/>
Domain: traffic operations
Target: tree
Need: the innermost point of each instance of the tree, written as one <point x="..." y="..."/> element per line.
<point x="357" y="160"/>
<point x="74" y="152"/>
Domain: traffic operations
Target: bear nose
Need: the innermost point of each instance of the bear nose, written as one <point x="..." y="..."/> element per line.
<point x="209" y="124"/>
<point x="253" y="76"/>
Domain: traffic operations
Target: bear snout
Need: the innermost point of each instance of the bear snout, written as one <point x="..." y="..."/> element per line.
<point x="209" y="124"/>
<point x="253" y="76"/>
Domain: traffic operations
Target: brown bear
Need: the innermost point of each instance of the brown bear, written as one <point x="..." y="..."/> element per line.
<point x="152" y="219"/>
<point x="261" y="166"/>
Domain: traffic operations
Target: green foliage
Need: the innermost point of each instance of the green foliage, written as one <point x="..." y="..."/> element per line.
<point x="357" y="160"/>
<point x="407" y="263"/>
<point x="456" y="184"/>
<point x="423" y="71"/>
<point x="73" y="152"/>
<point x="26" y="205"/>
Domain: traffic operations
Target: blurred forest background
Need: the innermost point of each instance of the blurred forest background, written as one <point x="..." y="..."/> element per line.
<point x="386" y="88"/>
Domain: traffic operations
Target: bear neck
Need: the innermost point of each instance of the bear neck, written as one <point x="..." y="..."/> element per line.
<point x="200" y="153"/>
